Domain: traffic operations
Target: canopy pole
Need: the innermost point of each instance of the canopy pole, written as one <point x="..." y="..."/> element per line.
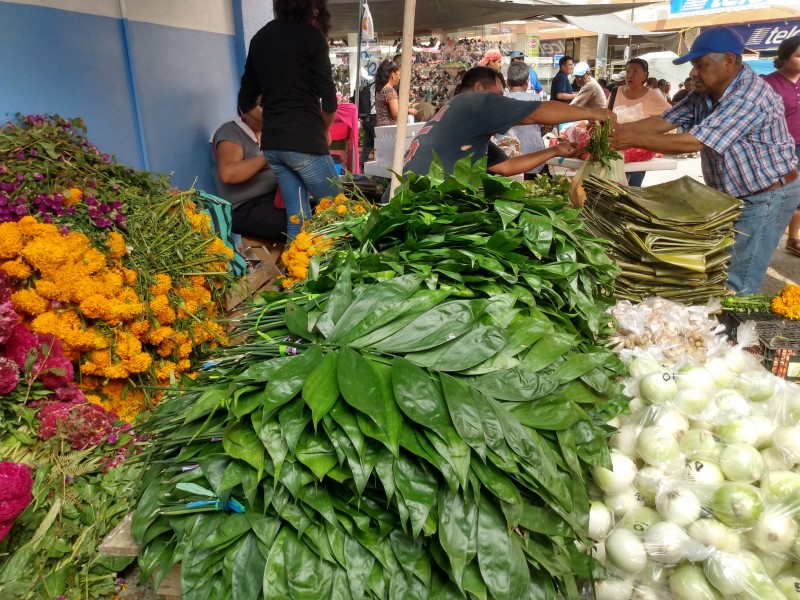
<point x="357" y="76"/>
<point x="405" y="90"/>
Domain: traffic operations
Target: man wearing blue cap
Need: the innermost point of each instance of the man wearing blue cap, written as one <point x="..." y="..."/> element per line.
<point x="736" y="122"/>
<point x="533" y="79"/>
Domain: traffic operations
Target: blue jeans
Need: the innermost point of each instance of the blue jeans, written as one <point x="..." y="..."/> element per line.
<point x="635" y="178"/>
<point x="299" y="175"/>
<point x="763" y="219"/>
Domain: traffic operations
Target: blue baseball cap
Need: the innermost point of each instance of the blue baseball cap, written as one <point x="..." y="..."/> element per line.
<point x="517" y="54"/>
<point x="718" y="39"/>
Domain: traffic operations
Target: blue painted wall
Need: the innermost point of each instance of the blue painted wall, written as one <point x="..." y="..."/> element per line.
<point x="74" y="64"/>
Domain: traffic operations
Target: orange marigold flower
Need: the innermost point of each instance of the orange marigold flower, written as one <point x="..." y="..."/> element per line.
<point x="72" y="196"/>
<point x="340" y="198"/>
<point x="29" y="302"/>
<point x="116" y="244"/>
<point x="295" y="219"/>
<point x="130" y="276"/>
<point x="10" y="240"/>
<point x="139" y="328"/>
<point x="341" y="209"/>
<point x="162" y="285"/>
<point x="165" y="368"/>
<point x="184" y="365"/>
<point x="17" y="269"/>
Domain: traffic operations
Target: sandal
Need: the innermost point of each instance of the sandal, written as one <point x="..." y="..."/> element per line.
<point x="793" y="246"/>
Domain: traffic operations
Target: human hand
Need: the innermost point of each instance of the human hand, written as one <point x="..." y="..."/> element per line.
<point x="603" y="114"/>
<point x="622" y="137"/>
<point x="566" y="149"/>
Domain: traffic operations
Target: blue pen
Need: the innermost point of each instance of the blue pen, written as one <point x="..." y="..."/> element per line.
<point x="204" y="503"/>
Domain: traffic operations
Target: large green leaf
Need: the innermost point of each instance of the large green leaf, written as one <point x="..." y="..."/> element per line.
<point x="437" y="326"/>
<point x="464" y="352"/>
<point x="321" y="389"/>
<point x="276" y="574"/>
<point x="366" y="386"/>
<point x="458" y="527"/>
<point x="240" y="441"/>
<point x="247" y="574"/>
<point x="500" y="557"/>
<point x="287" y="382"/>
<point x="418" y="487"/>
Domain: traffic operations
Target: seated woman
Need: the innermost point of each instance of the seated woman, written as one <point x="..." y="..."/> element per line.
<point x="243" y="178"/>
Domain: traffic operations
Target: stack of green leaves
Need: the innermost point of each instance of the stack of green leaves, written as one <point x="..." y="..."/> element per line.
<point x="421" y="423"/>
<point x="670" y="240"/>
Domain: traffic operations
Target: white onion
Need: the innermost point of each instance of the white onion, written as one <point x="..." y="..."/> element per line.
<point x="654" y="574"/>
<point x="648" y="481"/>
<point x="763" y="426"/>
<point x="639" y="520"/>
<point x="658" y="387"/>
<point x="774" y="564"/>
<point x="626" y="550"/>
<point x="758" y="386"/>
<point x="775" y="532"/>
<point x="671" y="420"/>
<point x="680" y="506"/>
<point x="737" y="505"/>
<point x="704" y="472"/>
<point x="732" y="404"/>
<point x="780" y="484"/>
<point x="711" y="532"/>
<point x="700" y="444"/>
<point x="774" y="459"/>
<point x="691" y="401"/>
<point x="739" y="360"/>
<point x="600" y="521"/>
<point x="666" y="542"/>
<point x="789" y="584"/>
<point x="619" y="477"/>
<point x="741" y="463"/>
<point x="621" y="503"/>
<point x="695" y="377"/>
<point x="722" y="374"/>
<point x="657" y="446"/>
<point x="737" y="431"/>
<point x="787" y="441"/>
<point x="625" y="440"/>
<point x="729" y="573"/>
<point x="613" y="589"/>
<point x="689" y="583"/>
<point x="642" y="365"/>
<point x="764" y="590"/>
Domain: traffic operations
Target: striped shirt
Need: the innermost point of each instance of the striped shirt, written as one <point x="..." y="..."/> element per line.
<point x="747" y="143"/>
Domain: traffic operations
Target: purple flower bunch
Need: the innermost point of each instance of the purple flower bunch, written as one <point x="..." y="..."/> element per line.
<point x="48" y="206"/>
<point x="12" y="208"/>
<point x="105" y="214"/>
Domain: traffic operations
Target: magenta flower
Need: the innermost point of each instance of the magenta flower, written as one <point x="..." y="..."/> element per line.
<point x="9" y="375"/>
<point x="16" y="485"/>
<point x="9" y="319"/>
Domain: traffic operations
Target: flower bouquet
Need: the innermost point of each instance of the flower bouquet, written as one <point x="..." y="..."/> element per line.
<point x="126" y="272"/>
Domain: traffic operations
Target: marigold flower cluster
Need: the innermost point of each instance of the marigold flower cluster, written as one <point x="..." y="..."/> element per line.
<point x="318" y="234"/>
<point x="787" y="303"/>
<point x="89" y="300"/>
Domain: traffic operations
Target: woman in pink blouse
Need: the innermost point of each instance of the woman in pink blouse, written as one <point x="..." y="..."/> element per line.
<point x="786" y="81"/>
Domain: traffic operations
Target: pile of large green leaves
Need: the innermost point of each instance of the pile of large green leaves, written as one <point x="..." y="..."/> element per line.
<point x="670" y="240"/>
<point x="429" y="429"/>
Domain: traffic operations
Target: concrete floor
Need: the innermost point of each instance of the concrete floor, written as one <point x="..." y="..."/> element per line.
<point x="784" y="267"/>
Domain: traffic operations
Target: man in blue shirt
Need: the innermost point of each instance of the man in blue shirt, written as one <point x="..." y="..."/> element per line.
<point x="561" y="88"/>
<point x="533" y="78"/>
<point x="736" y="121"/>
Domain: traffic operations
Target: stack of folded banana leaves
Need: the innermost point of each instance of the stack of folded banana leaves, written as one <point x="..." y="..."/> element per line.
<point x="669" y="240"/>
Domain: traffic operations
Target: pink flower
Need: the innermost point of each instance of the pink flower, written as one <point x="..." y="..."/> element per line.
<point x="16" y="485"/>
<point x="5" y="286"/>
<point x="9" y="319"/>
<point x="70" y="393"/>
<point x="56" y="373"/>
<point x="19" y="344"/>
<point x="9" y="375"/>
<point x="84" y="425"/>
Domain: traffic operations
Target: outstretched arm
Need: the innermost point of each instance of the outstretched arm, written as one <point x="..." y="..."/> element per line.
<point x="634" y="135"/>
<point x="526" y="162"/>
<point x="553" y="113"/>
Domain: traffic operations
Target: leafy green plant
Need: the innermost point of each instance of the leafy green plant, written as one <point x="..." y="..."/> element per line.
<point x="417" y="422"/>
<point x="599" y="146"/>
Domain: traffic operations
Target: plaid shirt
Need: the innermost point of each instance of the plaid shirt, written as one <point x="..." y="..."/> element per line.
<point x="747" y="143"/>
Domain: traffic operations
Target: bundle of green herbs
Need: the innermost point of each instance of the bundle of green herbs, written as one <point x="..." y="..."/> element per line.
<point x="417" y="420"/>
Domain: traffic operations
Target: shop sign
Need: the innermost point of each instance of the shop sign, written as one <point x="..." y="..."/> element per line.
<point x="552" y="47"/>
<point x="532" y="47"/>
<point x="761" y="36"/>
<point x="686" y="8"/>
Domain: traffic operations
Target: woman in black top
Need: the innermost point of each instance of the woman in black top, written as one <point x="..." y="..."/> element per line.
<point x="288" y="64"/>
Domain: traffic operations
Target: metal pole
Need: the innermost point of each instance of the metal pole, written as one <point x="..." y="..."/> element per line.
<point x="405" y="90"/>
<point x="358" y="52"/>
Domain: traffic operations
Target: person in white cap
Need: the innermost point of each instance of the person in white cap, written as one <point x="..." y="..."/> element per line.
<point x="736" y="121"/>
<point x="591" y="94"/>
